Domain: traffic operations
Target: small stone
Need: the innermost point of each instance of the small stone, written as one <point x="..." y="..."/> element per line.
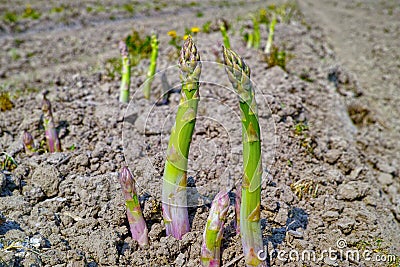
<point x="282" y="216"/>
<point x="332" y="156"/>
<point x="155" y="232"/>
<point x="352" y="190"/>
<point x="330" y="216"/>
<point x="385" y="178"/>
<point x="346" y="225"/>
<point x="180" y="260"/>
<point x="384" y="167"/>
<point x="47" y="178"/>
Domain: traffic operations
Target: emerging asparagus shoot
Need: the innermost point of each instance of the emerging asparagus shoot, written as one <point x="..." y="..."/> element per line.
<point x="133" y="211"/>
<point x="152" y="67"/>
<point x="270" y="35"/>
<point x="225" y="37"/>
<point x="174" y="194"/>
<point x="29" y="143"/>
<point x="126" y="73"/>
<point x="250" y="227"/>
<point x="214" y="231"/>
<point x="53" y="143"/>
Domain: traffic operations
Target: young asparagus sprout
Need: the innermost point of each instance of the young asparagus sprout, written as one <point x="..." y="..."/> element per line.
<point x="133" y="211"/>
<point x="250" y="227"/>
<point x="174" y="195"/>
<point x="225" y="37"/>
<point x="126" y="73"/>
<point x="214" y="231"/>
<point x="152" y="67"/>
<point x="53" y="143"/>
<point x="29" y="143"/>
<point x="271" y="32"/>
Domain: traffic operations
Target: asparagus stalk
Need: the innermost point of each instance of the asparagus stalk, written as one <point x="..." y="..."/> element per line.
<point x="271" y="32"/>
<point x="174" y="195"/>
<point x="126" y="73"/>
<point x="53" y="143"/>
<point x="152" y="67"/>
<point x="256" y="32"/>
<point x="213" y="233"/>
<point x="133" y="211"/>
<point x="224" y="33"/>
<point x="250" y="227"/>
<point x="238" y="201"/>
<point x="28" y="141"/>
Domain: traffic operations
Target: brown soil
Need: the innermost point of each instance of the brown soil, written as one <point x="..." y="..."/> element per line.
<point x="330" y="131"/>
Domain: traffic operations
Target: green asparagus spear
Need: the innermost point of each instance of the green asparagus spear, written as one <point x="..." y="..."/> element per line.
<point x="250" y="227"/>
<point x="174" y="194"/>
<point x="133" y="210"/>
<point x="126" y="73"/>
<point x="270" y="35"/>
<point x="214" y="231"/>
<point x="152" y="67"/>
<point x="225" y="37"/>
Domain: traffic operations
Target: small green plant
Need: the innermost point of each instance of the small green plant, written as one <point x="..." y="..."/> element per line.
<point x="276" y="58"/>
<point x="10" y="17"/>
<point x="31" y="13"/>
<point x="5" y="102"/>
<point x="174" y="196"/>
<point x="113" y="66"/>
<point x="7" y="162"/>
<point x="300" y="128"/>
<point x="138" y="47"/>
<point x="129" y="8"/>
<point x="206" y="28"/>
<point x="152" y="67"/>
<point x="305" y="188"/>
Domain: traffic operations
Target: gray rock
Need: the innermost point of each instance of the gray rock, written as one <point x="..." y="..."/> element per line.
<point x="352" y="190"/>
<point x="385" y="178"/>
<point x="330" y="216"/>
<point x="384" y="167"/>
<point x="180" y="260"/>
<point x="346" y="224"/>
<point x="331" y="156"/>
<point x="47" y="178"/>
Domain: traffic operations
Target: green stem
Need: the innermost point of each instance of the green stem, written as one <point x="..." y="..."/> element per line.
<point x="152" y="67"/>
<point x="270" y="35"/>
<point x="174" y="183"/>
<point x="250" y="226"/>
<point x="126" y="73"/>
<point x="224" y="33"/>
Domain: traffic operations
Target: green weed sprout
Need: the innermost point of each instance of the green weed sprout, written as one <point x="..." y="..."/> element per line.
<point x="225" y="37"/>
<point x="133" y="210"/>
<point x="174" y="194"/>
<point x="250" y="227"/>
<point x="271" y="32"/>
<point x="214" y="231"/>
<point x="53" y="143"/>
<point x="152" y="67"/>
<point x="126" y="73"/>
